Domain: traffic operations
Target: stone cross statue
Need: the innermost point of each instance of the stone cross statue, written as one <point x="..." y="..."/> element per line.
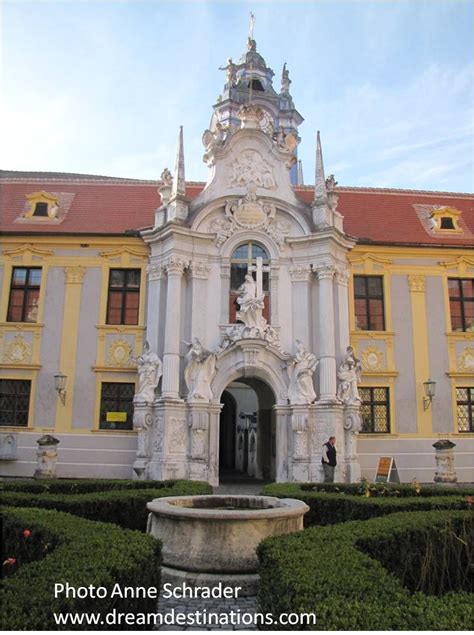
<point x="251" y="304"/>
<point x="149" y="374"/>
<point x="349" y="376"/>
<point x="259" y="268"/>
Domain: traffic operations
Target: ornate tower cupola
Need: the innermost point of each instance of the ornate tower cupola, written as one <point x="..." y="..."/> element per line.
<point x="250" y="80"/>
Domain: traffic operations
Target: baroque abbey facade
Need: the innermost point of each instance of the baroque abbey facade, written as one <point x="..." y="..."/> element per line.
<point x="209" y="330"/>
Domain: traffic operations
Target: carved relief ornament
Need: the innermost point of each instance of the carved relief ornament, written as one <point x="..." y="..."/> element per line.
<point x="17" y="351"/>
<point x="251" y="167"/>
<point x="249" y="213"/>
<point x="154" y="272"/>
<point x="175" y="265"/>
<point x="325" y="270"/>
<point x="300" y="273"/>
<point x="372" y="358"/>
<point x="119" y="352"/>
<point x="416" y="283"/>
<point x="74" y="275"/>
<point x="466" y="359"/>
<point x="199" y="270"/>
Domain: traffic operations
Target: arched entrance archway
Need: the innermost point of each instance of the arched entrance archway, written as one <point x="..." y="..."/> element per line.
<point x="247" y="443"/>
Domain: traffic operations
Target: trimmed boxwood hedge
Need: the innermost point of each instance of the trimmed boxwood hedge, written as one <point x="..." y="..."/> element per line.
<point x="329" y="571"/>
<point x="63" y="548"/>
<point x="83" y="485"/>
<point x="125" y="507"/>
<point x="327" y="508"/>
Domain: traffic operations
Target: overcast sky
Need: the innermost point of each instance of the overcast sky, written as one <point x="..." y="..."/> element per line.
<point x="101" y="87"/>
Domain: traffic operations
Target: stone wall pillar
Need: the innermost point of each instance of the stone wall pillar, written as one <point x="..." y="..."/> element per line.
<point x="225" y="290"/>
<point x="301" y="295"/>
<point x="342" y="277"/>
<point x="199" y="441"/>
<point x="174" y="267"/>
<point x="327" y="345"/>
<point x="300" y="444"/>
<point x="155" y="274"/>
<point x="352" y="427"/>
<point x="199" y="272"/>
<point x="282" y="431"/>
<point x="213" y="457"/>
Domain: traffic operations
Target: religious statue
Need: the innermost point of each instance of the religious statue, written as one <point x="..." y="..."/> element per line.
<point x="166" y="177"/>
<point x="251" y="305"/>
<point x="330" y="183"/>
<point x="285" y="80"/>
<point x="149" y="373"/>
<point x="349" y="376"/>
<point x="300" y="371"/>
<point x="231" y="73"/>
<point x="199" y="372"/>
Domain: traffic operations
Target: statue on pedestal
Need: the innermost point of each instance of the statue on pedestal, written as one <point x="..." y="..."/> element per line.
<point x="149" y="374"/>
<point x="199" y="371"/>
<point x="300" y="371"/>
<point x="349" y="374"/>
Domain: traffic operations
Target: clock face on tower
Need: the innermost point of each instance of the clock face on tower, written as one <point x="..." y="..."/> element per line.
<point x="266" y="122"/>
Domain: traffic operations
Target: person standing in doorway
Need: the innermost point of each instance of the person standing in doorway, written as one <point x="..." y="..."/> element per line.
<point x="329" y="460"/>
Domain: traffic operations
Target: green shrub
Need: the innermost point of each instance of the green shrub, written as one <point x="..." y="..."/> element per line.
<point x="387" y="489"/>
<point x="124" y="507"/>
<point x="80" y="486"/>
<point x="81" y="553"/>
<point x="326" y="571"/>
<point x="327" y="508"/>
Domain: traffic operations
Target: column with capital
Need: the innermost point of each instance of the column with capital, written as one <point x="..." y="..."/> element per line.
<point x="174" y="267"/>
<point x="327" y="344"/>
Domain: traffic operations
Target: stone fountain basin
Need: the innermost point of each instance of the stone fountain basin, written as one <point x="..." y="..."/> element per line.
<point x="220" y="534"/>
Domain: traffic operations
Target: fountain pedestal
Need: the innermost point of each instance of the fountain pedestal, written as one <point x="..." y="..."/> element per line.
<point x="212" y="539"/>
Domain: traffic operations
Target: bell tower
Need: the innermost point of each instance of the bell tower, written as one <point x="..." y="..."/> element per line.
<point x="250" y="81"/>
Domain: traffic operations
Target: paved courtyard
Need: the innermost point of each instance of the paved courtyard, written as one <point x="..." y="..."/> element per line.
<point x="230" y="614"/>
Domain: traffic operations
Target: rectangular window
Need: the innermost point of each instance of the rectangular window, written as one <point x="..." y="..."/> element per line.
<point x="116" y="406"/>
<point x="24" y="294"/>
<point x="14" y="402"/>
<point x="461" y="303"/>
<point x="465" y="407"/>
<point x="368" y="303"/>
<point x="375" y="409"/>
<point x="124" y="296"/>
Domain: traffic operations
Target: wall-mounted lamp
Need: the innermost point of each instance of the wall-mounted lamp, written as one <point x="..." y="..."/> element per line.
<point x="60" y="386"/>
<point x="430" y="390"/>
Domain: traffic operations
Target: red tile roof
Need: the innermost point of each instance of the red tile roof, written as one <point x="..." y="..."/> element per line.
<point x="105" y="205"/>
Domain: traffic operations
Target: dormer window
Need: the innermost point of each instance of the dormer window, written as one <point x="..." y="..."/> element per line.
<point x="41" y="209"/>
<point x="42" y="206"/>
<point x="445" y="220"/>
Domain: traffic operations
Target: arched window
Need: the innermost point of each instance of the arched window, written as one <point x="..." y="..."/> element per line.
<point x="243" y="259"/>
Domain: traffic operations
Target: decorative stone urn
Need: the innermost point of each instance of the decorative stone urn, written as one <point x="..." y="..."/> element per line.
<point x="212" y="539"/>
<point x="47" y="455"/>
<point x="445" y="472"/>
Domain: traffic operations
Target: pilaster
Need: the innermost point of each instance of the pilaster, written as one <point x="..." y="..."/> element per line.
<point x="174" y="267"/>
<point x="417" y="285"/>
<point x="67" y="364"/>
<point x="199" y="273"/>
<point x="155" y="278"/>
<point x="301" y="292"/>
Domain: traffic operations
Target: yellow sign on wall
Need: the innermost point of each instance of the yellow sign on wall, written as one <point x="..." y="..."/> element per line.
<point x="117" y="417"/>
